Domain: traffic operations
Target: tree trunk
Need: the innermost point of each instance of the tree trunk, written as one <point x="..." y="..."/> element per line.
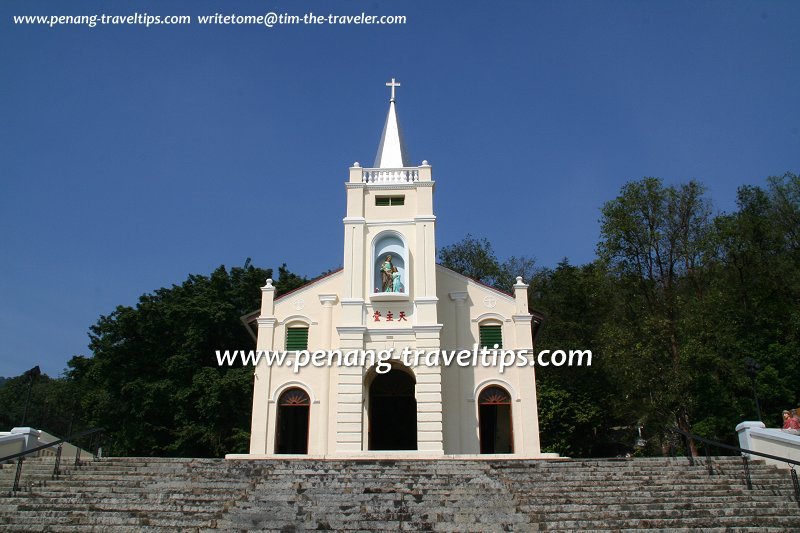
<point x="683" y="423"/>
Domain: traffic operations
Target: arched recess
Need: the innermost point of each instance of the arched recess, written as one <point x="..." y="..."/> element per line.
<point x="292" y="421"/>
<point x="494" y="419"/>
<point x="297" y="320"/>
<point x="391" y="409"/>
<point x="390" y="243"/>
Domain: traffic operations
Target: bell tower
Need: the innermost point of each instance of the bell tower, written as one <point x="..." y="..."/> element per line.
<point x="390" y="215"/>
<point x="388" y="298"/>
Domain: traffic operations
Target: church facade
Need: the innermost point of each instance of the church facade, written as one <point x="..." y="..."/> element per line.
<point x="391" y="296"/>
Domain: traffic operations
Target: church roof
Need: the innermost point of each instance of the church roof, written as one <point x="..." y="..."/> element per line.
<point x="310" y="283"/>
<point x="452" y="272"/>
<point x="392" y="149"/>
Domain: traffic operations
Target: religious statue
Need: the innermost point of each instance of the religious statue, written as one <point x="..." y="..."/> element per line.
<point x="396" y="286"/>
<point x="386" y="274"/>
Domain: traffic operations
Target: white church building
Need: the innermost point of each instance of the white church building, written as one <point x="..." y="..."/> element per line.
<point x="391" y="295"/>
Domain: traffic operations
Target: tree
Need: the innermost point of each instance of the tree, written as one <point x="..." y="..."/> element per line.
<point x="656" y="241"/>
<point x="576" y="405"/>
<point x="54" y="404"/>
<point x="475" y="258"/>
<point x="754" y="294"/>
<point x="153" y="381"/>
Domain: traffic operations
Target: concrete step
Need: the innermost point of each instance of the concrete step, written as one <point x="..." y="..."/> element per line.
<point x="160" y="494"/>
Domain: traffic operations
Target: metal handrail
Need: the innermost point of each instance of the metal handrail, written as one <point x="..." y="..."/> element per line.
<point x="735" y="448"/>
<point x="20" y="456"/>
<point x="745" y="463"/>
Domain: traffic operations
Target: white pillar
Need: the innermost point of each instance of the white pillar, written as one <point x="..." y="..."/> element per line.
<point x="326" y="324"/>
<point x="259" y="423"/>
<point x="462" y="406"/>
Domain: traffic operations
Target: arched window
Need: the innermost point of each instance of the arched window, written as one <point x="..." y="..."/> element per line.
<point x="294" y="407"/>
<point x="494" y="414"/>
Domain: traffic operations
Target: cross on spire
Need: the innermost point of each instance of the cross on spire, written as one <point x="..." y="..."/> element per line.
<point x="392" y="84"/>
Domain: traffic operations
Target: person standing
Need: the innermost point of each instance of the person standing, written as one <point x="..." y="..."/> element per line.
<point x="790" y="424"/>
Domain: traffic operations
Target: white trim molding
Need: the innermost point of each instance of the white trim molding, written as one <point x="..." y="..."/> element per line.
<point x="494" y="381"/>
<point x="293" y="385"/>
<point x="297" y="318"/>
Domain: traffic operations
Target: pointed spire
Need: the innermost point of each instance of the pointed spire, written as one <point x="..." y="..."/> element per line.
<point x="391" y="150"/>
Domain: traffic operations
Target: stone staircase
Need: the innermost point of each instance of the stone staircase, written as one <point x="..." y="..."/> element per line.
<point x="158" y="494"/>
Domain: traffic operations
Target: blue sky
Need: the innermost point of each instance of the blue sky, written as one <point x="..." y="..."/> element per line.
<point x="131" y="157"/>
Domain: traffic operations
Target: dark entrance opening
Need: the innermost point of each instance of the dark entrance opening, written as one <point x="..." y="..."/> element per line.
<point x="392" y="412"/>
<point x="494" y="411"/>
<point x="292" y="425"/>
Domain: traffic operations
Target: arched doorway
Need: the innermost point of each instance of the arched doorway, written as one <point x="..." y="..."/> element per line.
<point x="494" y="414"/>
<point x="392" y="412"/>
<point x="292" y="422"/>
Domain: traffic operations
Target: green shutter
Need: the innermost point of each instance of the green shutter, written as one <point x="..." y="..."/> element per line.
<point x="383" y="201"/>
<point x="491" y="335"/>
<point x="297" y="339"/>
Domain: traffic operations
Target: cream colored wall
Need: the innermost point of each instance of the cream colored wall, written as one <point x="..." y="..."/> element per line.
<point x="448" y="282"/>
<point x="462" y="385"/>
<point x="407" y="211"/>
<point x="443" y="310"/>
<point x="459" y="386"/>
<point x="271" y="381"/>
<point x="303" y="307"/>
<point x="315" y="381"/>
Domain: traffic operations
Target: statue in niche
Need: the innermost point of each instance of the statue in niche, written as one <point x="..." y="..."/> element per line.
<point x="396" y="285"/>
<point x="386" y="274"/>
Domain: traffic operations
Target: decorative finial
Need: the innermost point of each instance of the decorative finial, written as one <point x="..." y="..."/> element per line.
<point x="269" y="283"/>
<point x="519" y="280"/>
<point x="392" y="84"/>
<point x="356" y="165"/>
<point x="425" y="163"/>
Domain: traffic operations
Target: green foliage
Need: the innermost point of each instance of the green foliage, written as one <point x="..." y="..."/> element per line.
<point x="672" y="307"/>
<point x="153" y="380"/>
<point x="675" y="303"/>
<point x="574" y="403"/>
<point x="475" y="258"/>
<point x="471" y="257"/>
<point x="54" y="404"/>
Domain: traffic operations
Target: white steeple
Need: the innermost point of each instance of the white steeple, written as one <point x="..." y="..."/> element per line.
<point x="391" y="150"/>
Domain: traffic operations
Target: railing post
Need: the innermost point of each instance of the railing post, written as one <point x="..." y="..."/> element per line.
<point x="796" y="485"/>
<point x="708" y="461"/>
<point x="747" y="480"/>
<point x="77" y="456"/>
<point x="58" y="462"/>
<point x="15" y="488"/>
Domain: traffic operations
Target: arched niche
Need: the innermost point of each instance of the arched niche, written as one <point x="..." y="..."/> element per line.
<point x="392" y="244"/>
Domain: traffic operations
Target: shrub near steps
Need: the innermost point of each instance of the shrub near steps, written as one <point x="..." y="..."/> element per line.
<point x="160" y="494"/>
